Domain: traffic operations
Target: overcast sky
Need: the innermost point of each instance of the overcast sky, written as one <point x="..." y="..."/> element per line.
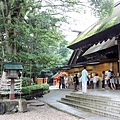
<point x="80" y="22"/>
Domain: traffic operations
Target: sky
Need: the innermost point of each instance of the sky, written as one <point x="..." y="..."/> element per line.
<point x="80" y="23"/>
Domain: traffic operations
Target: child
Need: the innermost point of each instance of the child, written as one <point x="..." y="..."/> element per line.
<point x="95" y="79"/>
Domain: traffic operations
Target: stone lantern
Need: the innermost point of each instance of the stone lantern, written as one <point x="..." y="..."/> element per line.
<point x="12" y="70"/>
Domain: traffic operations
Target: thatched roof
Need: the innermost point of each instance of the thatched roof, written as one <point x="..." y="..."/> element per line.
<point x="101" y="30"/>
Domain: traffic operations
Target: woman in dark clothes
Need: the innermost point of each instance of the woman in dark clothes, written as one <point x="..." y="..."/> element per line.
<point x="103" y="79"/>
<point x="76" y="82"/>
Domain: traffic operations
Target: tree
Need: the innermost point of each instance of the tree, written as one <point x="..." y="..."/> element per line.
<point x="100" y="8"/>
<point x="29" y="28"/>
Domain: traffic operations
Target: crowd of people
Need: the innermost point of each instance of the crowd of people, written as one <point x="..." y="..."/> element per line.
<point x="85" y="79"/>
<point x="63" y="82"/>
<point x="109" y="79"/>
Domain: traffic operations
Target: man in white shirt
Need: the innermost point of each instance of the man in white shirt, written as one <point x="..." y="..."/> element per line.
<point x="84" y="78"/>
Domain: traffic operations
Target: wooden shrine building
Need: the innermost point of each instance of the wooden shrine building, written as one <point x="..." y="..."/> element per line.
<point x="98" y="47"/>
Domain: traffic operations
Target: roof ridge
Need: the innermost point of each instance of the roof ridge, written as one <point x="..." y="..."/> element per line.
<point x="117" y="3"/>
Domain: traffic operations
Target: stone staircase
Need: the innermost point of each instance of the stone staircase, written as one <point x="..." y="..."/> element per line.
<point x="101" y="105"/>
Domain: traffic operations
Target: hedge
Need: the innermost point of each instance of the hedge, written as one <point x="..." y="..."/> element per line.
<point x="27" y="89"/>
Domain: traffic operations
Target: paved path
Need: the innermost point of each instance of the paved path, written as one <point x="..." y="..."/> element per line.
<point x="56" y="94"/>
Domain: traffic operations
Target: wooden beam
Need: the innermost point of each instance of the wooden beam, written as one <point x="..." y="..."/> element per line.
<point x="118" y="42"/>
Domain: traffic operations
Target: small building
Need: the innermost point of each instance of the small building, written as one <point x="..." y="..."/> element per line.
<point x="11" y="73"/>
<point x="12" y="69"/>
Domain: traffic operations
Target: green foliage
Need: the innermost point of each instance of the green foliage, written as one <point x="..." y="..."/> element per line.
<point x="102" y="8"/>
<point x="25" y="81"/>
<point x="45" y="86"/>
<point x="33" y="49"/>
<point x="27" y="89"/>
<point x="30" y="32"/>
<point x="100" y="26"/>
<point x="108" y="24"/>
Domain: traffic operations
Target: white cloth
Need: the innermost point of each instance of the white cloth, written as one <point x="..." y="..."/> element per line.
<point x="112" y="80"/>
<point x="105" y="82"/>
<point x="66" y="82"/>
<point x="84" y="75"/>
<point x="119" y="80"/>
<point x="95" y="79"/>
<point x="80" y="79"/>
<point x="66" y="79"/>
<point x="84" y="78"/>
<point x="84" y="87"/>
<point x="108" y="74"/>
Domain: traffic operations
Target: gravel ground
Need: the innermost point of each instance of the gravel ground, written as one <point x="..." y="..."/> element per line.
<point x="44" y="112"/>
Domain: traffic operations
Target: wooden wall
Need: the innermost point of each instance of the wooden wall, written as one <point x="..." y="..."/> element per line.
<point x="96" y="68"/>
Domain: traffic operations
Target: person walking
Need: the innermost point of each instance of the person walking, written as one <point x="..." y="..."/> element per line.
<point x="80" y="83"/>
<point x="95" y="79"/>
<point x="66" y="81"/>
<point x="112" y="81"/>
<point x="108" y="77"/>
<point x="103" y="80"/>
<point x="76" y="82"/>
<point x="61" y="82"/>
<point x="84" y="78"/>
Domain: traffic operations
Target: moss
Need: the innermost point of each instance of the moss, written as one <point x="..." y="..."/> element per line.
<point x="108" y="25"/>
<point x="100" y="26"/>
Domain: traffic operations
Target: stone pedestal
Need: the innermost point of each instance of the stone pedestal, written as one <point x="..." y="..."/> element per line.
<point x="22" y="106"/>
<point x="16" y="105"/>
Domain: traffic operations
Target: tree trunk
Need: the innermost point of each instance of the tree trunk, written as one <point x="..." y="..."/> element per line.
<point x="10" y="39"/>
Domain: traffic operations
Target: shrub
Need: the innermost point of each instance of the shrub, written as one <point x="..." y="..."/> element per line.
<point x="25" y="81"/>
<point x="27" y="89"/>
<point x="45" y="86"/>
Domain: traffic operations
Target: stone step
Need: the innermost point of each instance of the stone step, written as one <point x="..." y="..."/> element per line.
<point x="92" y="96"/>
<point x="94" y="100"/>
<point x="100" y="106"/>
<point x="93" y="110"/>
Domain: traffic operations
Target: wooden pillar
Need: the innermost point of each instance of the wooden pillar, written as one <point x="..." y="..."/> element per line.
<point x="77" y="55"/>
<point x="118" y="42"/>
<point x="73" y="57"/>
<point x="12" y="96"/>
